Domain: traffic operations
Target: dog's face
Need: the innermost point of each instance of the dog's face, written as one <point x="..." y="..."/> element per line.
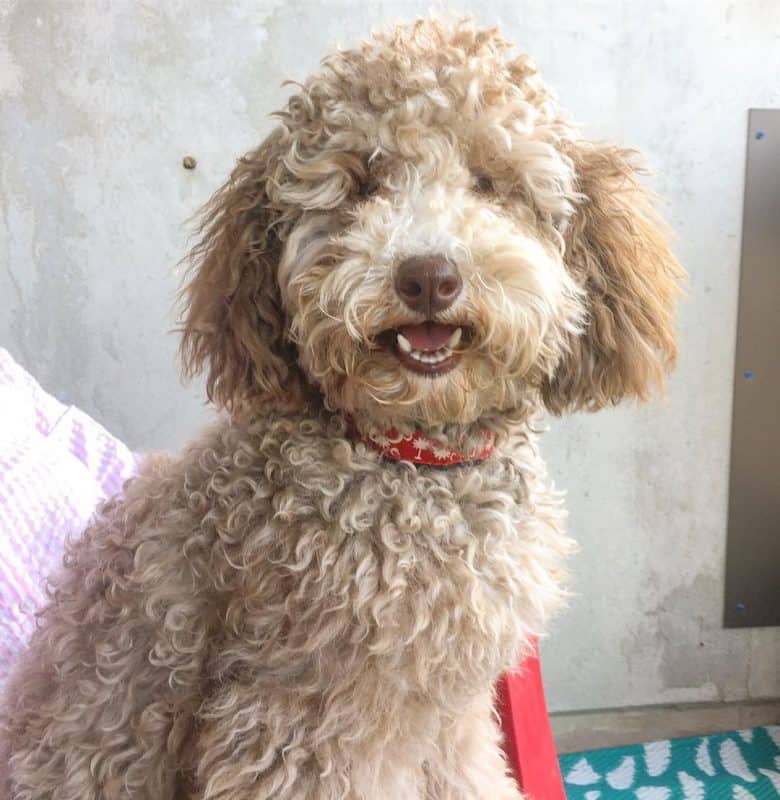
<point x="425" y="240"/>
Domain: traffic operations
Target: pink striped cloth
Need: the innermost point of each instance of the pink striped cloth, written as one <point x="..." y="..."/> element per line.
<point x="56" y="464"/>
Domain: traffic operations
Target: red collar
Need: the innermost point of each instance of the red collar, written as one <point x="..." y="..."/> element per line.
<point x="419" y="448"/>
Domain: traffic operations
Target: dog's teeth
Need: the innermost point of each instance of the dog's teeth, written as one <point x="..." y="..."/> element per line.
<point x="403" y="343"/>
<point x="454" y="339"/>
<point x="427" y="356"/>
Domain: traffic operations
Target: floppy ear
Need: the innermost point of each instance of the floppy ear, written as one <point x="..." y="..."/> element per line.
<point x="617" y="251"/>
<point x="233" y="322"/>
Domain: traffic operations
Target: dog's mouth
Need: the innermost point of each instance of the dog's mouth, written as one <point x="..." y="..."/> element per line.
<point x="430" y="348"/>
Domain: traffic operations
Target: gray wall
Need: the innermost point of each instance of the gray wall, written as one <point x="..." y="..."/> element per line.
<point x="100" y="102"/>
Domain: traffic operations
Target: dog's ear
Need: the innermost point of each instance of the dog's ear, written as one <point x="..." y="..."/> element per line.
<point x="617" y="250"/>
<point x="233" y="323"/>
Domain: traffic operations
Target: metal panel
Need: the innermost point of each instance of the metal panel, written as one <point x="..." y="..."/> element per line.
<point x="753" y="552"/>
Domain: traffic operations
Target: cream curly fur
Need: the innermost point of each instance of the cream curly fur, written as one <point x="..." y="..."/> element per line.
<point x="278" y="612"/>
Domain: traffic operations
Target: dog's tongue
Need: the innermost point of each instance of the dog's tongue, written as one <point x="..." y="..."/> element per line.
<point x="427" y="335"/>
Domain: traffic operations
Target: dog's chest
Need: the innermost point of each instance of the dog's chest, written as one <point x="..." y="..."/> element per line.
<point x="427" y="574"/>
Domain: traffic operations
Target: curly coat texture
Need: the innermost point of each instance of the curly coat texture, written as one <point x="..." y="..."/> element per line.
<point x="278" y="612"/>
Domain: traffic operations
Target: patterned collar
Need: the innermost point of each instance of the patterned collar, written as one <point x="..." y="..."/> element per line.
<point x="420" y="448"/>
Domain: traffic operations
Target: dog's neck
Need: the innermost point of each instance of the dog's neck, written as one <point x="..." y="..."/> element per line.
<point x="421" y="448"/>
<point x="439" y="445"/>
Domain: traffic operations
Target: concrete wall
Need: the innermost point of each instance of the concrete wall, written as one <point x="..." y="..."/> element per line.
<point x="101" y="101"/>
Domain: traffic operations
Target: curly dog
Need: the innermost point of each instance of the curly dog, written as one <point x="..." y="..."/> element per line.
<point x="316" y="597"/>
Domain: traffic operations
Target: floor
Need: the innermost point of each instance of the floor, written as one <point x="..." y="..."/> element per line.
<point x="588" y="730"/>
<point x="737" y="765"/>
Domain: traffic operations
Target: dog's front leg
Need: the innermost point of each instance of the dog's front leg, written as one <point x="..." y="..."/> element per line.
<point x="471" y="765"/>
<point x="260" y="741"/>
<point x="100" y="706"/>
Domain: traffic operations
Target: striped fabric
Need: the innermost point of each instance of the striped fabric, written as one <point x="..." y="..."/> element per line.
<point x="56" y="464"/>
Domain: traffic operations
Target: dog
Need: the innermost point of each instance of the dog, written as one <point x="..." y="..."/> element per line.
<point x="317" y="596"/>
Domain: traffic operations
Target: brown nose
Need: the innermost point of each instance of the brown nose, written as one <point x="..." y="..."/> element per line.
<point x="428" y="283"/>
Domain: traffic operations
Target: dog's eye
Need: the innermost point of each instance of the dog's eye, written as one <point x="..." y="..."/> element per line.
<point x="368" y="187"/>
<point x="483" y="184"/>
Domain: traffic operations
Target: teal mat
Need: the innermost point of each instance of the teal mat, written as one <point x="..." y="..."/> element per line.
<point x="740" y="765"/>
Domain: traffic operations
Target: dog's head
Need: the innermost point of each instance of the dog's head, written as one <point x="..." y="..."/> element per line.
<point x="425" y="239"/>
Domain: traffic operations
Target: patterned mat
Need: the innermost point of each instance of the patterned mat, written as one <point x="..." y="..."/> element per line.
<point x="740" y="765"/>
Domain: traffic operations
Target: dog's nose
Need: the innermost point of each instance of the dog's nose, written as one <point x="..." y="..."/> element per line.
<point x="428" y="283"/>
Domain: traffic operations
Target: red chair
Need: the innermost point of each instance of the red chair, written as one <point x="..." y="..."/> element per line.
<point x="528" y="740"/>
